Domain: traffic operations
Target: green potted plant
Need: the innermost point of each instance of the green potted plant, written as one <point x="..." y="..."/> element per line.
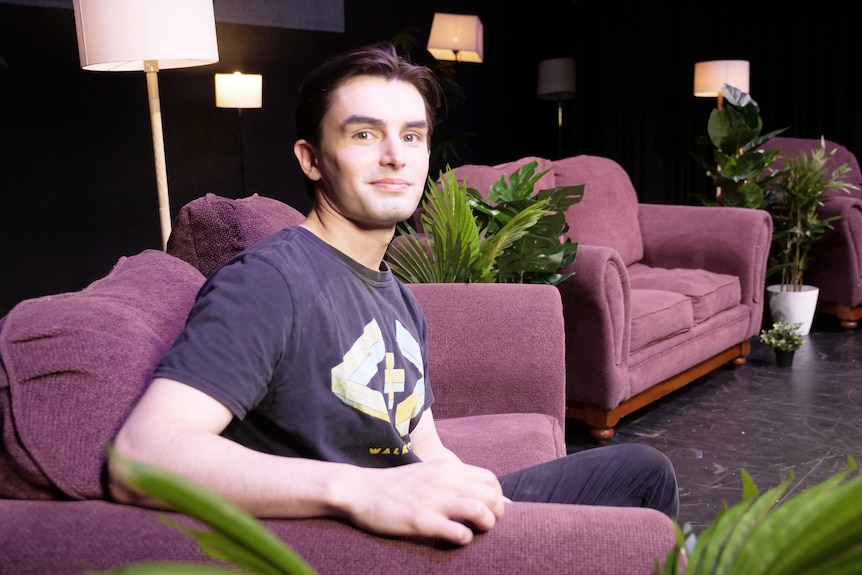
<point x="785" y="338"/>
<point x="736" y="164"/>
<point x="794" y="196"/>
<point x="515" y="236"/>
<point x="815" y="532"/>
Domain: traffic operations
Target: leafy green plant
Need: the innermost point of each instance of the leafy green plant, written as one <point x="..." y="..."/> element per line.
<point x="515" y="236"/>
<point x="234" y="536"/>
<point x="739" y="169"/>
<point x="794" y="198"/>
<point x="815" y="532"/>
<point x="783" y="335"/>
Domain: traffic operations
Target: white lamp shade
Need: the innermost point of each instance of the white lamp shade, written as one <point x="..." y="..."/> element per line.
<point x="456" y="37"/>
<point x="120" y="35"/>
<point x="556" y="79"/>
<point x="238" y="90"/>
<point x="709" y="77"/>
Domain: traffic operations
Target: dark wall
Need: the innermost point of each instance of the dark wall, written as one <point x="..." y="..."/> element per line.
<point x="77" y="181"/>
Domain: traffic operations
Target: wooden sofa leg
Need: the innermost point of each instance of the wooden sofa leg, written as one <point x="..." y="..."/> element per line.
<point x="601" y="435"/>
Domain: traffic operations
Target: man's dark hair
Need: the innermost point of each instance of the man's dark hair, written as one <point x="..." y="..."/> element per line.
<point x="380" y="60"/>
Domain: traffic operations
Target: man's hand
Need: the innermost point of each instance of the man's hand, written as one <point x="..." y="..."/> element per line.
<point x="442" y="498"/>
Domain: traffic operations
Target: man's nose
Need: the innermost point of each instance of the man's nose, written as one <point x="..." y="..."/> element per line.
<point x="393" y="151"/>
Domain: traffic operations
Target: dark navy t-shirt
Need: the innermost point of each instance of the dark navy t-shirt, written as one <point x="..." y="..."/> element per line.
<point x="314" y="354"/>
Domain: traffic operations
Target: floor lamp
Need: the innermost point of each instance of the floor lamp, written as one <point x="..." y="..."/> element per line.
<point x="710" y="77"/>
<point x="557" y="82"/>
<point x="240" y="91"/>
<point x="458" y="37"/>
<point x="147" y="35"/>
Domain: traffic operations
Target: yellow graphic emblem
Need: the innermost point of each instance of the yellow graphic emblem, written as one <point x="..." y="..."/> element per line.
<point x="360" y="365"/>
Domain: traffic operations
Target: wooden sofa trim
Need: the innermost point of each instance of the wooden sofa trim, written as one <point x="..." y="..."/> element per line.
<point x="848" y="317"/>
<point x="601" y="421"/>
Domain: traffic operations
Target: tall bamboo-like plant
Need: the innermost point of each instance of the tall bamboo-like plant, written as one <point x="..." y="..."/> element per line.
<point x="815" y="532"/>
<point x="794" y="198"/>
<point x="515" y="236"/>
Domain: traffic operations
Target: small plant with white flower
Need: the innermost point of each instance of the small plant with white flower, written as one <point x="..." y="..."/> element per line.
<point x="783" y="335"/>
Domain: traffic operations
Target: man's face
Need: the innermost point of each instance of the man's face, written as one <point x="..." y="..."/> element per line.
<point x="374" y="151"/>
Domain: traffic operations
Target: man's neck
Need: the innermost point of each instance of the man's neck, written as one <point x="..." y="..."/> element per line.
<point x="365" y="246"/>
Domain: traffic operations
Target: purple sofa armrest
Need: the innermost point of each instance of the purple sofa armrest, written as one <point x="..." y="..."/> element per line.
<point x="495" y="348"/>
<point x="530" y="538"/>
<point x="836" y="258"/>
<point x="725" y="240"/>
<point x="597" y="310"/>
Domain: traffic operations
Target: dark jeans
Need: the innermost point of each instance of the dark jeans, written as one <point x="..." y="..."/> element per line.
<point x="625" y="475"/>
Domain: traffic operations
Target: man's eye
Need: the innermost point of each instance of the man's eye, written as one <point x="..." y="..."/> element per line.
<point x="363" y="135"/>
<point x="412" y="138"/>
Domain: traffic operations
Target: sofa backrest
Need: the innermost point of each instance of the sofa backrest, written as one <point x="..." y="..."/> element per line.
<point x="72" y="365"/>
<point x="212" y="229"/>
<point x="798" y="146"/>
<point x="482" y="177"/>
<point x="608" y="214"/>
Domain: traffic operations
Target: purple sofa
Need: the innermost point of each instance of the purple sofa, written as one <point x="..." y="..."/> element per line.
<point x="836" y="257"/>
<point x="71" y="366"/>
<point x="661" y="294"/>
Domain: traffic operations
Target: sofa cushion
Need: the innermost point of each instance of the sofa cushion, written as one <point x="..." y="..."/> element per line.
<point x="510" y="441"/>
<point x="211" y="230"/>
<point x="608" y="214"/>
<point x="657" y="315"/>
<point x="73" y="365"/>
<point x="710" y="292"/>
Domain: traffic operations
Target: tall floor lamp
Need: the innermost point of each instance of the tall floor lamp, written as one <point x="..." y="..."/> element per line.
<point x="711" y="76"/>
<point x="240" y="91"/>
<point x="557" y="82"/>
<point x="147" y="35"/>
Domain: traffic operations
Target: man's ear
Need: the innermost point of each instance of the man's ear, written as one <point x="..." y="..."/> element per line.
<point x="307" y="156"/>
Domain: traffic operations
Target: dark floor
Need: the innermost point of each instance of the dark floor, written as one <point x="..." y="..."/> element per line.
<point x="767" y="420"/>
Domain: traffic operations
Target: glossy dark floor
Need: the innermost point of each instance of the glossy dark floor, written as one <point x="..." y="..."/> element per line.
<point x="805" y="419"/>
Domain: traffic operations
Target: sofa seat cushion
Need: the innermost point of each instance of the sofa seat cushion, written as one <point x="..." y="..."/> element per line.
<point x="74" y="363"/>
<point x="510" y="441"/>
<point x="710" y="292"/>
<point x="657" y="315"/>
<point x="211" y="230"/>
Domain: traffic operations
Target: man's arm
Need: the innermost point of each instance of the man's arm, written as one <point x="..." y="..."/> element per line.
<point x="177" y="427"/>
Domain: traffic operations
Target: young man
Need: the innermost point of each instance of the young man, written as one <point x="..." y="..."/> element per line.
<point x="275" y="394"/>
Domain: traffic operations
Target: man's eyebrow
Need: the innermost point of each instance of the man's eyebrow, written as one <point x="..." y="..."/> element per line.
<point x="369" y="120"/>
<point x="362" y="120"/>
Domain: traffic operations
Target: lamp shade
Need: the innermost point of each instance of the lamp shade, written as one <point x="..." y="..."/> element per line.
<point x="120" y="35"/>
<point x="709" y="77"/>
<point x="556" y="79"/>
<point x="238" y="90"/>
<point x="456" y="37"/>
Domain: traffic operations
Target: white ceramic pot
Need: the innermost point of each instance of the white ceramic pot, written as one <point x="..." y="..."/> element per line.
<point x="793" y="306"/>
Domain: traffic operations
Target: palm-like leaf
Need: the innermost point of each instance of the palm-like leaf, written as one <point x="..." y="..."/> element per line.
<point x="818" y="531"/>
<point x="466" y="239"/>
<point x="235" y="536"/>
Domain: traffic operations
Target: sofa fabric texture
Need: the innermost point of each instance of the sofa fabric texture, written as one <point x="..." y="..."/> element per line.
<point x="212" y="229"/>
<point x="74" y="364"/>
<point x="71" y="366"/>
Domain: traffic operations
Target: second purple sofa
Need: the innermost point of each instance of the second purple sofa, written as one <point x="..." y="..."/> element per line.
<point x="661" y="294"/>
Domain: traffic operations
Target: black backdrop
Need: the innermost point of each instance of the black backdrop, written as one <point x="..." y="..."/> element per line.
<point x="77" y="184"/>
